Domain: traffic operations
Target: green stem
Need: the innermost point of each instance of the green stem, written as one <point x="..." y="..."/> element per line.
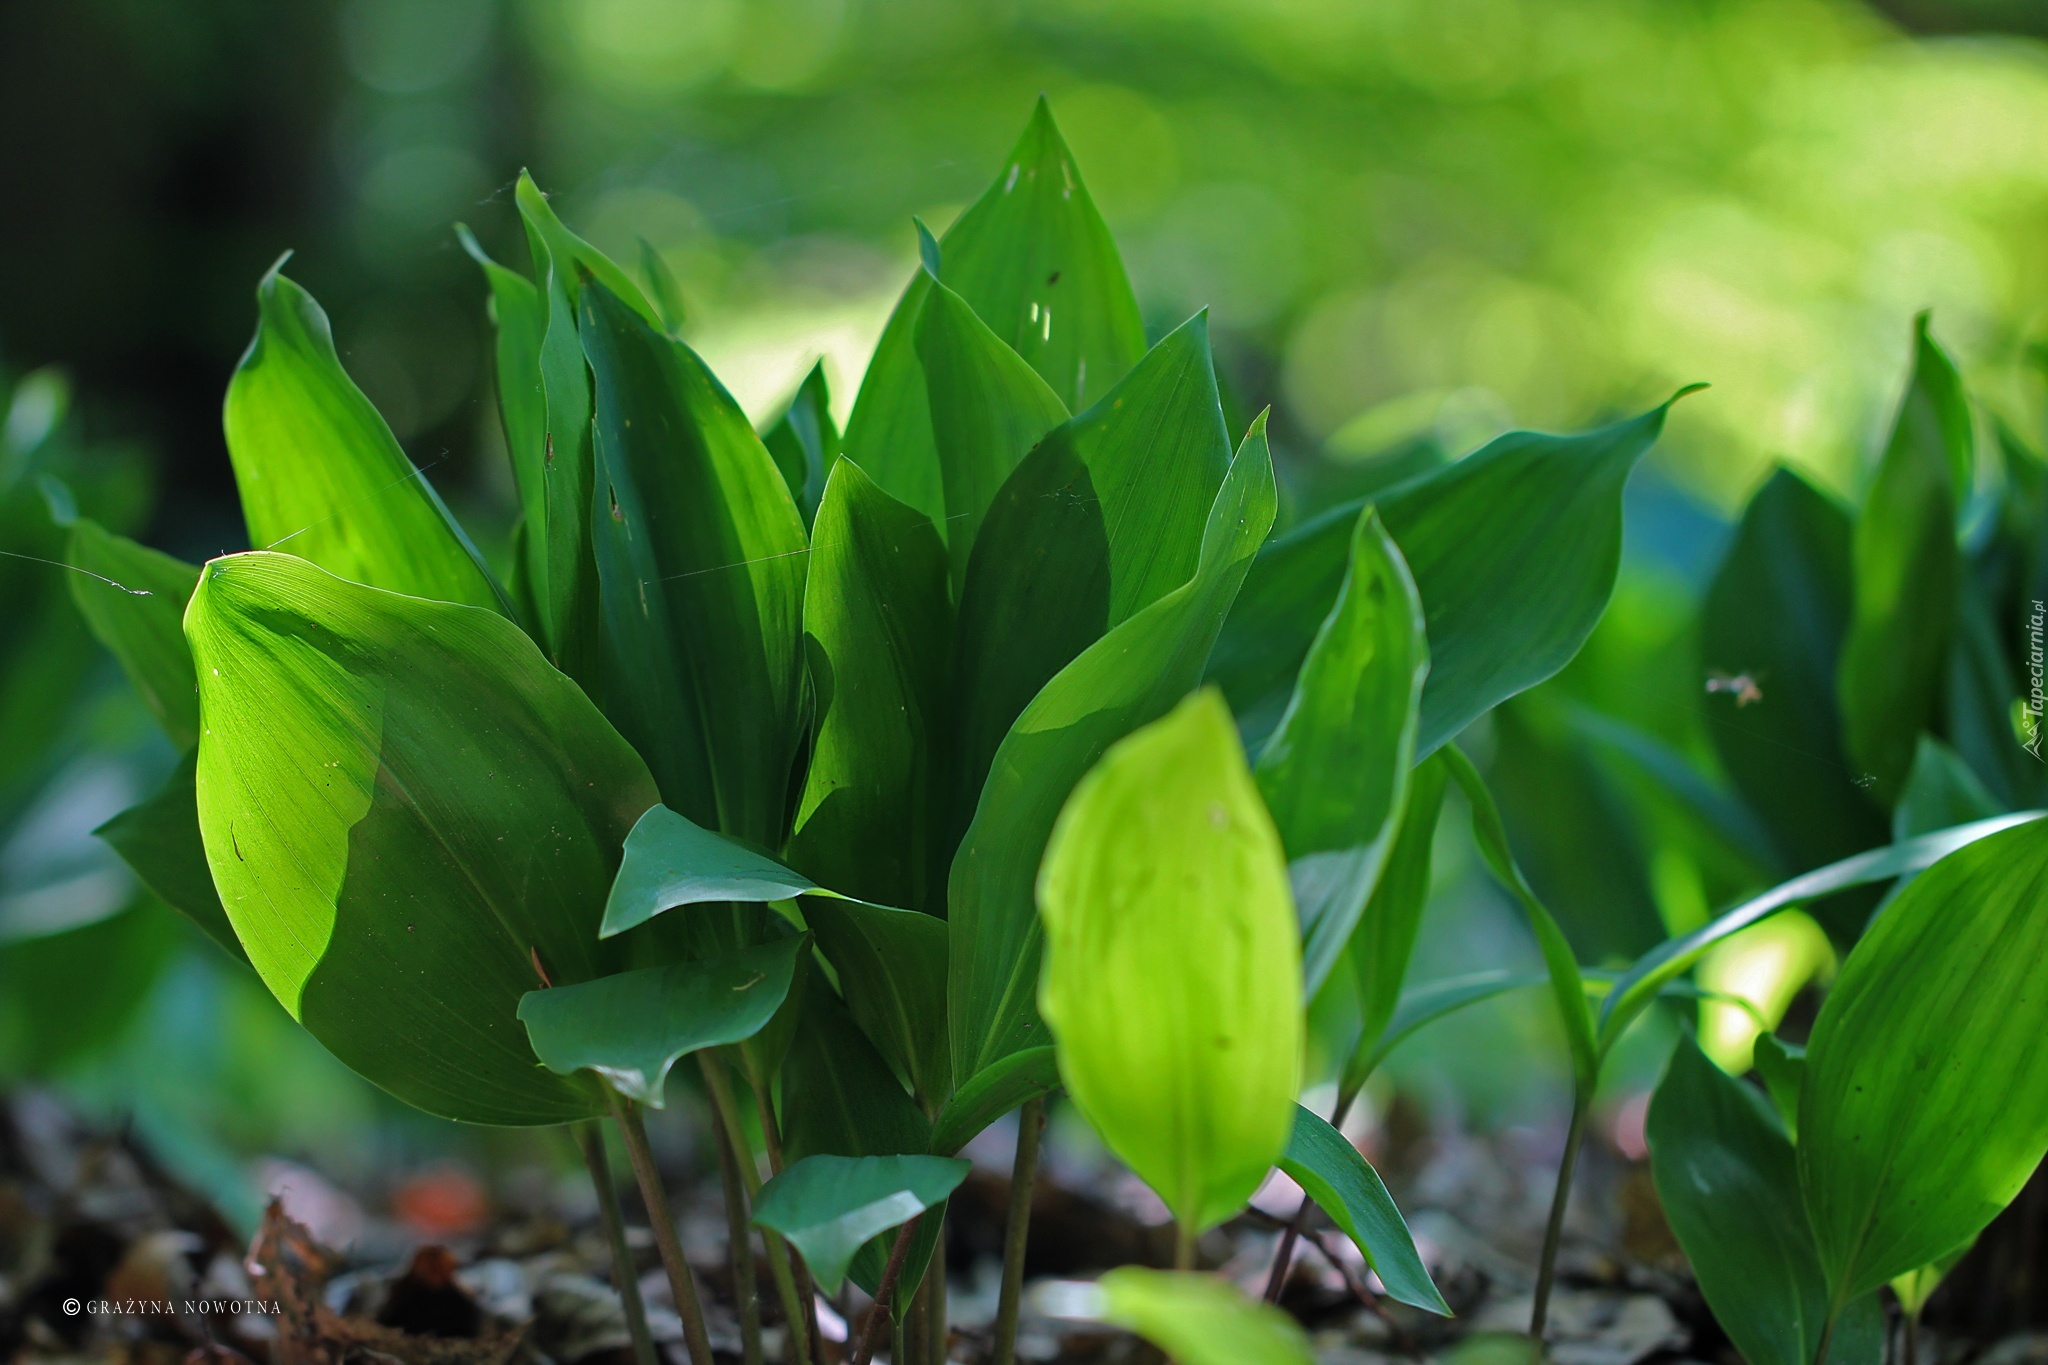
<point x="1912" y="1339"/>
<point x="681" y="1283"/>
<point x="885" y="1292"/>
<point x="1284" y="1257"/>
<point x="740" y="1246"/>
<point x="1017" y="1232"/>
<point x="1827" y="1337"/>
<point x="1183" y="1246"/>
<point x="771" y="1138"/>
<point x="937" y="1329"/>
<point x="726" y="1112"/>
<point x="590" y="1139"/>
<point x="1553" y="1231"/>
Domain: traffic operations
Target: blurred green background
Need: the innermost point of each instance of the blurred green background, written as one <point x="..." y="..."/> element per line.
<point x="1413" y="221"/>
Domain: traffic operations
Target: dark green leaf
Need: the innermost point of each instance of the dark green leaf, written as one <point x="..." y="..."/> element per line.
<point x="320" y="474"/>
<point x="1103" y="518"/>
<point x="805" y="442"/>
<point x="67" y="996"/>
<point x="988" y="408"/>
<point x="1728" y="1182"/>
<point x="1906" y="571"/>
<point x="1335" y="772"/>
<point x="828" y="1206"/>
<point x="1128" y="678"/>
<point x="568" y="590"/>
<point x="160" y="840"/>
<point x="700" y="557"/>
<point x="671" y="861"/>
<point x="1940" y="791"/>
<point x="1384" y="940"/>
<point x="1776" y="614"/>
<point x="1033" y="259"/>
<point x="662" y="290"/>
<point x="1925" y="1106"/>
<point x="1514" y="551"/>
<point x="878" y="623"/>
<point x="1639" y="985"/>
<point x="574" y="259"/>
<point x="410" y="817"/>
<point x="1722" y="821"/>
<point x="631" y="1028"/>
<point x="994" y="1092"/>
<point x="1329" y="1169"/>
<point x="139" y="617"/>
<point x="1567" y="984"/>
<point x="1782" y="1067"/>
<point x="892" y="967"/>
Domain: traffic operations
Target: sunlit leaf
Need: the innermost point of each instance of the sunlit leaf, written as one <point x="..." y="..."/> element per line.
<point x="1925" y="1107"/>
<point x="1326" y="1166"/>
<point x="1035" y="262"/>
<point x="519" y="319"/>
<point x="1165" y="876"/>
<point x="1513" y="549"/>
<point x="411" y="817"/>
<point x="630" y="1028"/>
<point x="700" y="555"/>
<point x="574" y="259"/>
<point x="1728" y="1181"/>
<point x="139" y="617"/>
<point x="321" y="475"/>
<point x="828" y="1206"/>
<point x="1906" y="570"/>
<point x="1335" y="772"/>
<point x="878" y="626"/>
<point x="1131" y="676"/>
<point x="1199" y="1319"/>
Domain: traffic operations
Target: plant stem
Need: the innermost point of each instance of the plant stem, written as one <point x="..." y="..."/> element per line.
<point x="1912" y="1339"/>
<point x="590" y="1139"/>
<point x="771" y="1138"/>
<point x="1183" y="1246"/>
<point x="1553" y="1232"/>
<point x="937" y="1328"/>
<point x="885" y="1292"/>
<point x="1284" y="1257"/>
<point x="1017" y="1232"/>
<point x="1827" y="1337"/>
<point x="681" y="1283"/>
<point x="741" y="1247"/>
<point x="726" y="1115"/>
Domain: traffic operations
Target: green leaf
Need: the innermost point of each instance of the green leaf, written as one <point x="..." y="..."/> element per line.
<point x="828" y="1206"/>
<point x="1907" y="569"/>
<point x="631" y="1028"/>
<point x="1199" y="1319"/>
<point x="700" y="558"/>
<point x="1128" y="678"/>
<point x="879" y="632"/>
<point x="892" y="967"/>
<point x="1384" y="941"/>
<point x="988" y="409"/>
<point x="1567" y="983"/>
<point x="671" y="861"/>
<point x="1335" y="772"/>
<point x="1513" y="549"/>
<point x="1916" y="1287"/>
<point x="159" y="839"/>
<point x="569" y="588"/>
<point x="1723" y="822"/>
<point x="139" y="616"/>
<point x="994" y="1092"/>
<point x="1782" y="1068"/>
<point x="574" y="259"/>
<point x="1940" y="791"/>
<point x="321" y="475"/>
<point x="1034" y="261"/>
<point x="519" y="316"/>
<point x="662" y="290"/>
<point x="1101" y="520"/>
<point x="1639" y="985"/>
<point x="1777" y="613"/>
<point x="1329" y="1169"/>
<point x="1727" y="1178"/>
<point x="805" y="442"/>
<point x="410" y="816"/>
<point x="1165" y="875"/>
<point x="1925" y="1107"/>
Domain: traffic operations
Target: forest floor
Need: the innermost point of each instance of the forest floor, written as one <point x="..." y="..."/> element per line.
<point x="104" y="1258"/>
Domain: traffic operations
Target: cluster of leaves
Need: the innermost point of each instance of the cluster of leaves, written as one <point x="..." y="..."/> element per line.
<point x="903" y="774"/>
